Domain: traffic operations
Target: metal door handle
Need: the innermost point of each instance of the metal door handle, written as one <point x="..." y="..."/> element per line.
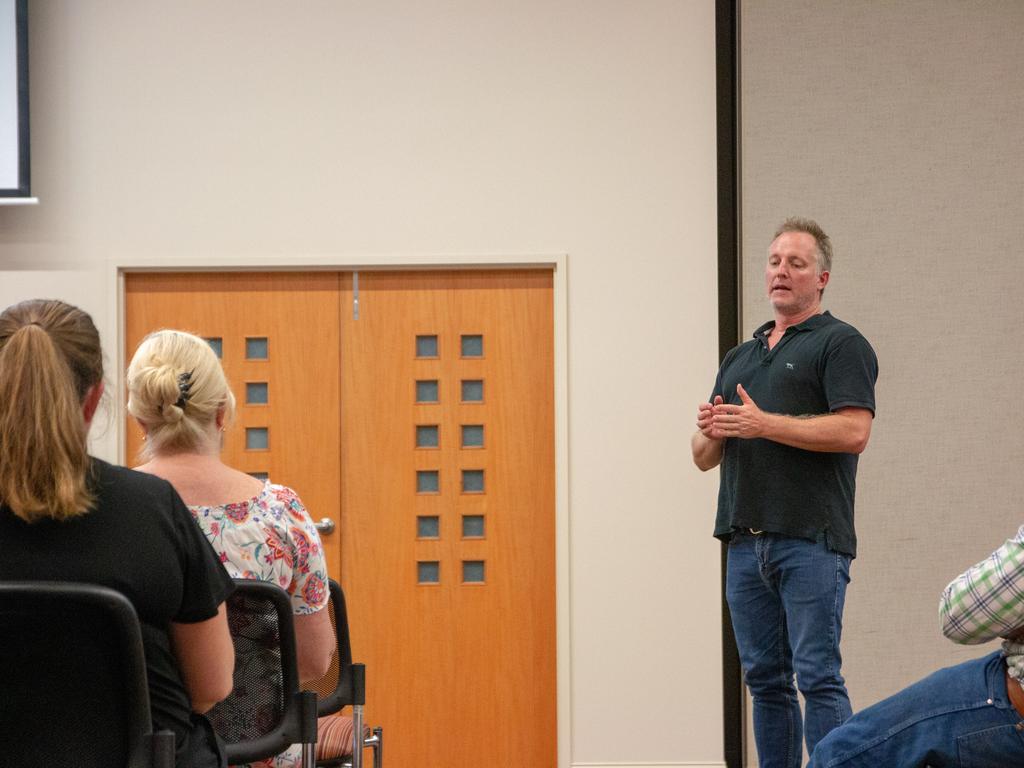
<point x="325" y="526"/>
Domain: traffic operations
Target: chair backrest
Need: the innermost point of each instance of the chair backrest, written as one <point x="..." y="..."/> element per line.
<point x="265" y="712"/>
<point x="73" y="688"/>
<point x="343" y="684"/>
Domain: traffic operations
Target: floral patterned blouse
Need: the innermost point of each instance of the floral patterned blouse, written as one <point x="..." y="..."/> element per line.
<point x="270" y="537"/>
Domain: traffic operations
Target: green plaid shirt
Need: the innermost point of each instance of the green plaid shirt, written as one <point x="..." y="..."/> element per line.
<point x="987" y="601"/>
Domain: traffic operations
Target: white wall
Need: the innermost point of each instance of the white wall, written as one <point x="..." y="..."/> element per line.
<point x="355" y="133"/>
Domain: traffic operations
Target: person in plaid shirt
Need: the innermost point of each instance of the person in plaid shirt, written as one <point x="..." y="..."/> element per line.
<point x="969" y="715"/>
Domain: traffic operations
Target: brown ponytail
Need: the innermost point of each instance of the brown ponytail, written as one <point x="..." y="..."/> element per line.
<point x="49" y="358"/>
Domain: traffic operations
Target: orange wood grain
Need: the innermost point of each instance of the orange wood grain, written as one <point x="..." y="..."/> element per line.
<point x="298" y="314"/>
<point x="460" y="675"/>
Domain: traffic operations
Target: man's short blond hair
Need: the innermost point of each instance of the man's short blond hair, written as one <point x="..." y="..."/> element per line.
<point x="812" y="228"/>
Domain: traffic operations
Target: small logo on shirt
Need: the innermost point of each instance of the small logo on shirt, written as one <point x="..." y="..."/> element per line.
<point x="789" y="366"/>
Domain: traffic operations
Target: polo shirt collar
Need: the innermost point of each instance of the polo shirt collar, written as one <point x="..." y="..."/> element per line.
<point x="812" y="322"/>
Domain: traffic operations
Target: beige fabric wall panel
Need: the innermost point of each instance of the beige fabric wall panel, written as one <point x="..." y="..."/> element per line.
<point x="897" y="125"/>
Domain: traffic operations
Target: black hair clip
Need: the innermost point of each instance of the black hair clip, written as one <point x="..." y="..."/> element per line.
<point x="184" y="388"/>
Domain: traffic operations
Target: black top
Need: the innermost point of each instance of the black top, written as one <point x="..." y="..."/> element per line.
<point x="819" y="366"/>
<point x="140" y="540"/>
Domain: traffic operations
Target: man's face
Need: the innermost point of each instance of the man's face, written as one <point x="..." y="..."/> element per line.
<point x="791" y="275"/>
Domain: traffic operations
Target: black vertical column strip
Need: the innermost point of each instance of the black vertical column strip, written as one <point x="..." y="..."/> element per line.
<point x="727" y="65"/>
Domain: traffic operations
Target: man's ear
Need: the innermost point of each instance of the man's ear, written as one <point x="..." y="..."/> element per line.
<point x="91" y="401"/>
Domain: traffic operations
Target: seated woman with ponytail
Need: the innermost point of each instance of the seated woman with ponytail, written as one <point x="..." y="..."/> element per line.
<point x="69" y="517"/>
<point x="179" y="395"/>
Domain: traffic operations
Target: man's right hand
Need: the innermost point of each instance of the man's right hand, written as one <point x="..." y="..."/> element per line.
<point x="707" y="441"/>
<point x="704" y="420"/>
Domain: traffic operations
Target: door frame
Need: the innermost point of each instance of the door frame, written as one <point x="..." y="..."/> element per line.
<point x="118" y="268"/>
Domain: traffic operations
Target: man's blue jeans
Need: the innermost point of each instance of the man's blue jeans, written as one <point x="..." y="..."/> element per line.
<point x="786" y="597"/>
<point x="958" y="717"/>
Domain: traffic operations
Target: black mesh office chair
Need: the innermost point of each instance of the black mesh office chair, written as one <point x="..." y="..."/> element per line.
<point x="344" y="685"/>
<point x="266" y="712"/>
<point x="73" y="691"/>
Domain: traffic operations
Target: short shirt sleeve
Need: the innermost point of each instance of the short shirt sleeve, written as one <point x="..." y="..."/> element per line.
<point x="718" y="387"/>
<point x="851" y="370"/>
<point x="308" y="589"/>
<point x="206" y="584"/>
<point x="718" y="379"/>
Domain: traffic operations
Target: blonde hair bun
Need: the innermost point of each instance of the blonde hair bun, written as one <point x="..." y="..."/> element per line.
<point x="176" y="388"/>
<point x="172" y="414"/>
<point x="154" y="390"/>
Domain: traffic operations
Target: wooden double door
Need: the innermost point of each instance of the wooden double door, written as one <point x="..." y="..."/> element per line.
<point x="414" y="411"/>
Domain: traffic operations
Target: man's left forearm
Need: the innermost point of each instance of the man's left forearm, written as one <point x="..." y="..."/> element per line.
<point x="844" y="431"/>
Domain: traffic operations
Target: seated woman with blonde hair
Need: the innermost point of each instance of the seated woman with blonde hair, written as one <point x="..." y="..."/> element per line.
<point x="65" y="516"/>
<point x="180" y="397"/>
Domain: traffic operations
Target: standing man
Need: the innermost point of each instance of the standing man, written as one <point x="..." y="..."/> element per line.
<point x="789" y="414"/>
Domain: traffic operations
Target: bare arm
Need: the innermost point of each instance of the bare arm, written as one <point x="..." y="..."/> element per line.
<point x="844" y="431"/>
<point x="707" y="452"/>
<point x="206" y="658"/>
<point x="315" y="643"/>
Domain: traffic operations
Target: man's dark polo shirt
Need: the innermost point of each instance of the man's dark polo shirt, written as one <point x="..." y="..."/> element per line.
<point x="819" y="366"/>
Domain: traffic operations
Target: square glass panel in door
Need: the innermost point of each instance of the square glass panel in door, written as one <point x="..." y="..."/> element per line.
<point x="256" y="393"/>
<point x="428" y="481"/>
<point x="217" y="345"/>
<point x="426" y="391"/>
<point x="472" y="526"/>
<point x="428" y="572"/>
<point x="428" y="527"/>
<point x="472" y="435"/>
<point x="256" y="348"/>
<point x="472" y="346"/>
<point x="427" y="436"/>
<point x="257" y="438"/>
<point x="426" y="346"/>
<point x="472" y="571"/>
<point x="472" y="390"/>
<point x="472" y="481"/>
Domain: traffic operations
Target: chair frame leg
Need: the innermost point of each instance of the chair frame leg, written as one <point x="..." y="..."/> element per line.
<point x="357" y="736"/>
<point x="376" y="743"/>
